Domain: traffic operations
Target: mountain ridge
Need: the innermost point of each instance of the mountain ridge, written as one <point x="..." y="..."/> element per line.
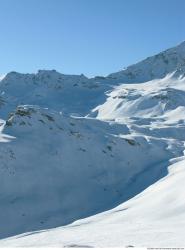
<point x="178" y="50"/>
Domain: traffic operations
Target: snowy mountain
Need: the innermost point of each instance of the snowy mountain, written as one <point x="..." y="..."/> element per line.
<point x="50" y="89"/>
<point x="107" y="148"/>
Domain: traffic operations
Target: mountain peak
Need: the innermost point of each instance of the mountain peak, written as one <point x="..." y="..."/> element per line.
<point x="157" y="66"/>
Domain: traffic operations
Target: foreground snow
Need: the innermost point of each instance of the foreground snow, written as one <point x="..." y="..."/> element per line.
<point x="154" y="218"/>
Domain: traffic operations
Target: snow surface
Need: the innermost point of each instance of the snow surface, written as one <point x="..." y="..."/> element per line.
<point x="154" y="218"/>
<point x="107" y="148"/>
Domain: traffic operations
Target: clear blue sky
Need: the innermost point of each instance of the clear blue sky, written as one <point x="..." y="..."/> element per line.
<point x="94" y="37"/>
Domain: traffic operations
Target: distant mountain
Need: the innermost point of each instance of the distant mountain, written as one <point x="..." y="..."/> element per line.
<point x="48" y="88"/>
<point x="73" y="147"/>
<point x="79" y="94"/>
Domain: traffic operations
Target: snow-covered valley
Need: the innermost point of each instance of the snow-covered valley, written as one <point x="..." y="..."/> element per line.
<point x="102" y="158"/>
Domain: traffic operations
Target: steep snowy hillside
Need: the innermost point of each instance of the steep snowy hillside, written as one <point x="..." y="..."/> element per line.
<point x="72" y="147"/>
<point x="45" y="168"/>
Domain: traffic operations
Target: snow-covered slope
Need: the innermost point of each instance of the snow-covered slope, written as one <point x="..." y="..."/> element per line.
<point x="45" y="168"/>
<point x="154" y="218"/>
<point x="72" y="147"/>
<point x="147" y="100"/>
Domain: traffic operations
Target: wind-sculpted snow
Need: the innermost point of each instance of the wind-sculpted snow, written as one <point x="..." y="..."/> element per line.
<point x="72" y="147"/>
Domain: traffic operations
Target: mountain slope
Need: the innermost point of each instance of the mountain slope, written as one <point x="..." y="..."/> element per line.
<point x="51" y="159"/>
<point x="149" y="99"/>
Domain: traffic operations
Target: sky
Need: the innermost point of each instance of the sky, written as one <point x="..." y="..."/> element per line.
<point x="93" y="37"/>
